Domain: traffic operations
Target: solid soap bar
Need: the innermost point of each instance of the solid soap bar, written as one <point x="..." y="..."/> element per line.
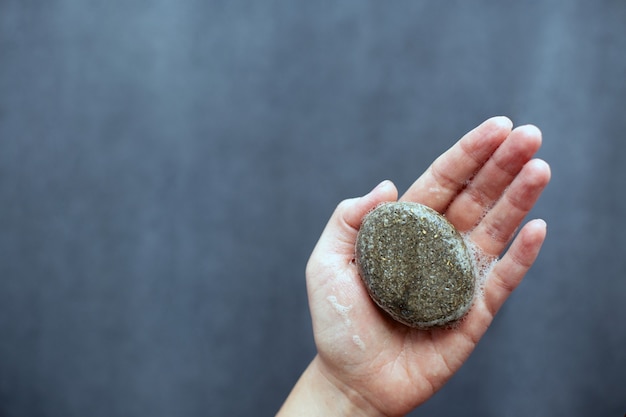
<point x="415" y="265"/>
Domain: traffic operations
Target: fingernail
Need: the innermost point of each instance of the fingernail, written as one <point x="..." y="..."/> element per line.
<point x="381" y="185"/>
<point x="543" y="223"/>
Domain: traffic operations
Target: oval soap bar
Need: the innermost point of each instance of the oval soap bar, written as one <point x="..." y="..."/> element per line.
<point x="415" y="265"/>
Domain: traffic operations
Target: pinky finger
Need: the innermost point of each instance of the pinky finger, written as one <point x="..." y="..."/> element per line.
<point x="509" y="271"/>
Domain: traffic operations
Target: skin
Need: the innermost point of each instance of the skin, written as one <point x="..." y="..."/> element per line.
<point x="368" y="364"/>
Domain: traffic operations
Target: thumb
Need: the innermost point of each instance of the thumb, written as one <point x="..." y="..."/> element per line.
<point x="339" y="236"/>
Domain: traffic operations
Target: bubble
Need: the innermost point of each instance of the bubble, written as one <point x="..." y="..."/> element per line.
<point x="358" y="341"/>
<point x="483" y="263"/>
<point x="341" y="309"/>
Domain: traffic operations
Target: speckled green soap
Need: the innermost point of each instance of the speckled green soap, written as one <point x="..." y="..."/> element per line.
<point x="415" y="265"/>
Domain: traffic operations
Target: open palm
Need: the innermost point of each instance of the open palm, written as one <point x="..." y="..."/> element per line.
<point x="485" y="185"/>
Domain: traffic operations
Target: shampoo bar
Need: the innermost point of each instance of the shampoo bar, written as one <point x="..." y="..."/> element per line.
<point x="415" y="265"/>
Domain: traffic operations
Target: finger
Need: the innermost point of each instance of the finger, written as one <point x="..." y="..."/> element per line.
<point x="339" y="235"/>
<point x="509" y="271"/>
<point x="449" y="173"/>
<point x="494" y="177"/>
<point x="496" y="229"/>
<point x="354" y="209"/>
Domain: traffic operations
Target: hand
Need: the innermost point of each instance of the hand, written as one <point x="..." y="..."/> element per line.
<point x="367" y="364"/>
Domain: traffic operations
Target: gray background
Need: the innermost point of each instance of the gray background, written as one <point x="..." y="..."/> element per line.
<point x="166" y="168"/>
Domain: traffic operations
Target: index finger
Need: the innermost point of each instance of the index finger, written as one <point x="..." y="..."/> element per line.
<point x="451" y="171"/>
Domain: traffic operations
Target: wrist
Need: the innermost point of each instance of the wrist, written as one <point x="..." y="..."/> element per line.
<point x="318" y="394"/>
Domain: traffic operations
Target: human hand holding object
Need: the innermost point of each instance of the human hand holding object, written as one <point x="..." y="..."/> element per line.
<point x="369" y="364"/>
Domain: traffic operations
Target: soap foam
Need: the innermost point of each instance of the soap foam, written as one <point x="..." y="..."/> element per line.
<point x="341" y="309"/>
<point x="483" y="264"/>
<point x="358" y="341"/>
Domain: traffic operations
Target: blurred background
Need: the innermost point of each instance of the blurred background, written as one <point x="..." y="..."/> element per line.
<point x="167" y="167"/>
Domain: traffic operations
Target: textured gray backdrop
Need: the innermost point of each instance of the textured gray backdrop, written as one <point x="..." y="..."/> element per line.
<point x="166" y="168"/>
